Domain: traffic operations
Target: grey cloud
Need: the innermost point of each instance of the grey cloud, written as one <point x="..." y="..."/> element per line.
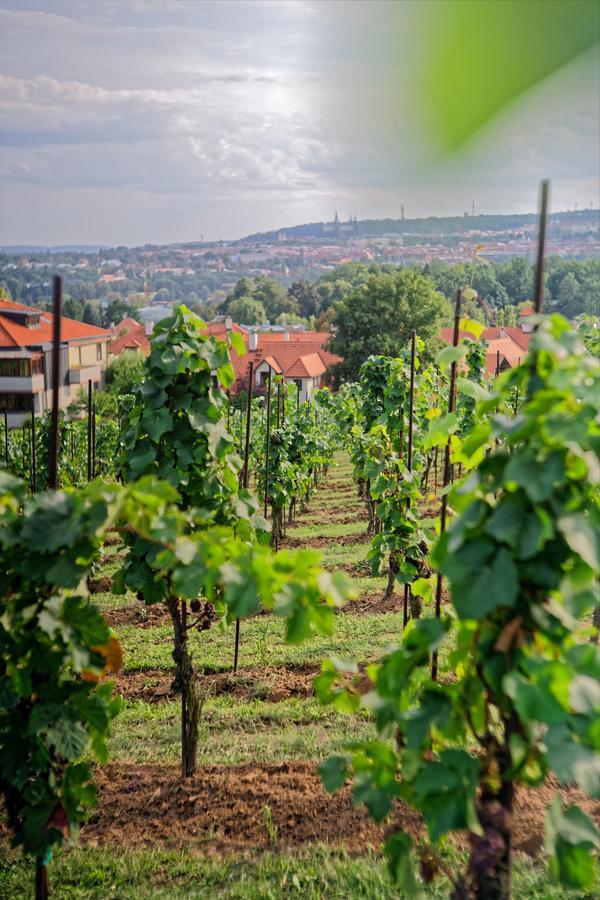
<point x="225" y="117"/>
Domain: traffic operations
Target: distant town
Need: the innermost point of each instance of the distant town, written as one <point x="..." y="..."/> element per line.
<point x="205" y="272"/>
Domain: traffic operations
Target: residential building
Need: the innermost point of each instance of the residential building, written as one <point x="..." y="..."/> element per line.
<point x="130" y="335"/>
<point x="26" y="359"/>
<point x="302" y="359"/>
<point x="507" y="345"/>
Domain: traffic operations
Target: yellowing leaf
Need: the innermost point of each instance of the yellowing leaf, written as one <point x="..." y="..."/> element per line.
<point x="113" y="656"/>
<point x="472" y="327"/>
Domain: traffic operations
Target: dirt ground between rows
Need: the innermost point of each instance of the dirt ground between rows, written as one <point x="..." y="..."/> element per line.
<point x="272" y="684"/>
<point x="137" y="613"/>
<point x="228" y="809"/>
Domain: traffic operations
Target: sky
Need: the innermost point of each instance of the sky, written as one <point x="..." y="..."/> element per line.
<point x="157" y="121"/>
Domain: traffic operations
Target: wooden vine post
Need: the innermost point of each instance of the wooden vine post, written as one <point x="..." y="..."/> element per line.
<point x="56" y="311"/>
<point x="411" y="413"/>
<point x="93" y="438"/>
<point x="33" y="470"/>
<point x="89" y="431"/>
<point x="447" y="471"/>
<point x="267" y="443"/>
<point x="6" y="438"/>
<point x="245" y="479"/>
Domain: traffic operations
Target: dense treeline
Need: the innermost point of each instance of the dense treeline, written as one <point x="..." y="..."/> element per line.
<point x="572" y="289"/>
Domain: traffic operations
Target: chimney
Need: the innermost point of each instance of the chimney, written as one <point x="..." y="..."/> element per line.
<point x="253" y="344"/>
<point x="286" y="335"/>
<point x="148" y="327"/>
<point x="228" y="323"/>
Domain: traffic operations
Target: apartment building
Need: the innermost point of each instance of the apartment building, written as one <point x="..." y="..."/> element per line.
<point x="26" y="360"/>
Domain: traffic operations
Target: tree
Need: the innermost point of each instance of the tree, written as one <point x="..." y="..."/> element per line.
<point x="568" y="300"/>
<point x="247" y="311"/>
<point x="508" y="315"/>
<point x="290" y="319"/>
<point x="377" y="319"/>
<point x="517" y="278"/>
<point x="73" y="309"/>
<point x="125" y="372"/>
<point x="307" y="297"/>
<point x="116" y="311"/>
<point x="273" y="297"/>
<point x="91" y="316"/>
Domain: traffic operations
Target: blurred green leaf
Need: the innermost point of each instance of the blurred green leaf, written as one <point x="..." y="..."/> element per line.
<point x="484" y="54"/>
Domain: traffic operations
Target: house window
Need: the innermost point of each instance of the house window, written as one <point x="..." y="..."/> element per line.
<point x="15" y="368"/>
<point x="16" y="402"/>
<point x="264" y="377"/>
<point x="298" y="383"/>
<point x="37" y="367"/>
<point x="99" y="352"/>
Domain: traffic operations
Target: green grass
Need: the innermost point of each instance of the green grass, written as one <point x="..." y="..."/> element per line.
<point x="336" y="555"/>
<point x="106" y="601"/>
<point x="263" y="642"/>
<point x="367" y="584"/>
<point x="313" y="873"/>
<point x="326" y="529"/>
<point x="234" y="731"/>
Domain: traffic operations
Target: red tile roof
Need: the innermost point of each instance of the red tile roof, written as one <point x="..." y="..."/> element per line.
<point x="13" y="334"/>
<point x="302" y="356"/>
<point x="126" y="324"/>
<point x="273" y="364"/>
<point x="135" y="339"/>
<point x="510" y="340"/>
<point x="218" y="329"/>
<point x="308" y="366"/>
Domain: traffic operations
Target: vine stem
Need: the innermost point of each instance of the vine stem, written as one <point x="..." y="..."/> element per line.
<point x="41" y="879"/>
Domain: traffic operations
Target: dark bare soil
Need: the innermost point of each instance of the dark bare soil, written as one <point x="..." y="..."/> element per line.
<point x="226" y="809"/>
<point x="325" y="540"/>
<point x="138" y="613"/>
<point x="272" y="684"/>
<point x="100" y="585"/>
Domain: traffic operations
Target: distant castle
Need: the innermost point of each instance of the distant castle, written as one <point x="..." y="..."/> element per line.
<point x="338" y="228"/>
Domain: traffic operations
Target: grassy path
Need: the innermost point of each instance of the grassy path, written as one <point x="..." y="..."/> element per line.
<point x="258" y="727"/>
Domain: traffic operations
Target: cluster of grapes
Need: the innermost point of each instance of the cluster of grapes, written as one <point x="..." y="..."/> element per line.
<point x="207" y="614"/>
